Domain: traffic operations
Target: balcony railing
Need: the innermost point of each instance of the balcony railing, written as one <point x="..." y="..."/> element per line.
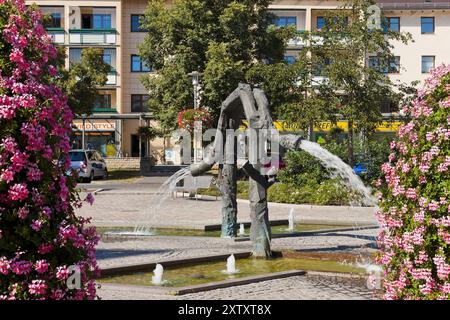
<point x="104" y="110"/>
<point x="57" y="35"/>
<point x="92" y="36"/>
<point x="297" y="41"/>
<point x="112" y="78"/>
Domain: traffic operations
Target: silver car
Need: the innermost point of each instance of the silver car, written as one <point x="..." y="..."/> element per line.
<point x="89" y="164"/>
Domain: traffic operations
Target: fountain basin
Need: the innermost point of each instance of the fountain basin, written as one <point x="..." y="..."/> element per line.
<point x="205" y="271"/>
<point x="215" y="232"/>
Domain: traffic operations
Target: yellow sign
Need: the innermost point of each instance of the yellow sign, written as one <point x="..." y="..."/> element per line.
<point x="385" y="126"/>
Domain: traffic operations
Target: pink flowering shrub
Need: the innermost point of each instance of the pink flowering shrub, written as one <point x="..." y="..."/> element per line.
<point x="414" y="199"/>
<point x="41" y="239"/>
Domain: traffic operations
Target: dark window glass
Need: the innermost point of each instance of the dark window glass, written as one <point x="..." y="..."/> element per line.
<point x="139" y="102"/>
<point x="289" y="59"/>
<point x="86" y="21"/>
<point x="388" y="106"/>
<point x="427" y="24"/>
<point x="54" y="21"/>
<point x="77" y="156"/>
<point x="137" y="65"/>
<point x="320" y="22"/>
<point x="107" y="58"/>
<point x="103" y="101"/>
<point x="286" y="21"/>
<point x="96" y="21"/>
<point x="392" y="24"/>
<point x="102" y="21"/>
<point x="392" y="67"/>
<point x="136" y="24"/>
<point x="427" y="63"/>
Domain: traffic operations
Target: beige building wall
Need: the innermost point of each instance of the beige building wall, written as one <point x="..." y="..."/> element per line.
<point x="306" y="11"/>
<point x="437" y="44"/>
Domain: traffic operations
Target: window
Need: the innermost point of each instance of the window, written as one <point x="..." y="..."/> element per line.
<point x="139" y="102"/>
<point x="54" y="21"/>
<point x="286" y="21"/>
<point x="289" y="59"/>
<point x="388" y="106"/>
<point x="137" y="65"/>
<point x="392" y="67"/>
<point x="103" y="101"/>
<point x="136" y="23"/>
<point x="320" y="23"/>
<point x="107" y="58"/>
<point x="96" y="21"/>
<point x="427" y="24"/>
<point x="391" y="24"/>
<point x="427" y="63"/>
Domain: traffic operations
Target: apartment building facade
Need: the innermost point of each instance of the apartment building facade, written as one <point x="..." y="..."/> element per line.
<point x="113" y="25"/>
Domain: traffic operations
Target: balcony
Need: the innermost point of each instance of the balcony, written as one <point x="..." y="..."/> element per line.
<point x="112" y="78"/>
<point x="297" y="42"/>
<point x="57" y="35"/>
<point x="104" y="110"/>
<point x="92" y="36"/>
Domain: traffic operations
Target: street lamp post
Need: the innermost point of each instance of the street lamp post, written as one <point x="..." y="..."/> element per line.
<point x="197" y="124"/>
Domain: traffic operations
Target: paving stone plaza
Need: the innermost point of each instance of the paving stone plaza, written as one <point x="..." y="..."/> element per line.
<point x="122" y="204"/>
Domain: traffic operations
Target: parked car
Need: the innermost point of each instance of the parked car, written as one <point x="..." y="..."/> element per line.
<point x="360" y="168"/>
<point x="89" y="164"/>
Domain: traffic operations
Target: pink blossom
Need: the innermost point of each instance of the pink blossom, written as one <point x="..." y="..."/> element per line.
<point x="4" y="265"/>
<point x="37" y="287"/>
<point x="7" y="176"/>
<point x="45" y="248"/>
<point x="21" y="267"/>
<point x="23" y="212"/>
<point x="62" y="273"/>
<point x="41" y="266"/>
<point x="18" y="192"/>
<point x="36" y="225"/>
<point x="411" y="194"/>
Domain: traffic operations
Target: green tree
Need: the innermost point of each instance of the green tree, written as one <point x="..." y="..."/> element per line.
<point x="346" y="45"/>
<point x="294" y="94"/>
<point x="81" y="81"/>
<point x="222" y="39"/>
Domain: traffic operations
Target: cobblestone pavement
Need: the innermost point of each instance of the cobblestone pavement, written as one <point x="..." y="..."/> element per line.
<point x="124" y="205"/>
<point x="308" y="287"/>
<point x="128" y="209"/>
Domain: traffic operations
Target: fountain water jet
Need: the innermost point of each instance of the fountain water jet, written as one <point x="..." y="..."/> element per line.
<point x="231" y="265"/>
<point x="241" y="230"/>
<point x="291" y="220"/>
<point x="157" y="277"/>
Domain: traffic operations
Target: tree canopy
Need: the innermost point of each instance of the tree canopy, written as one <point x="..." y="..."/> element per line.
<point x="221" y="39"/>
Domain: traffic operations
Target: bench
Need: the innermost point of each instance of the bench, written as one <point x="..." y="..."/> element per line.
<point x="192" y="184"/>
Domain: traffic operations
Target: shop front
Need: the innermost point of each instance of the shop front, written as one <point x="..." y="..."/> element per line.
<point x="98" y="134"/>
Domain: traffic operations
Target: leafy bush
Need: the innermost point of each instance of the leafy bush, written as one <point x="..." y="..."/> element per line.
<point x="42" y="241"/>
<point x="302" y="169"/>
<point x="414" y="205"/>
<point x="329" y="192"/>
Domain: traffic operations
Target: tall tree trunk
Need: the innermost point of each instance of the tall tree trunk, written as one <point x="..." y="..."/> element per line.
<point x="351" y="160"/>
<point x="311" y="132"/>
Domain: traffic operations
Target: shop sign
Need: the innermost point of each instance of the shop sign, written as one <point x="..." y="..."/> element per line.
<point x="385" y="126"/>
<point x="95" y="125"/>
